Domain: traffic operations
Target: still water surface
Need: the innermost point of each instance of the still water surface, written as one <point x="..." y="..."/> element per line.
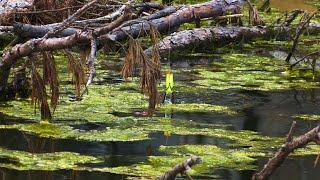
<point x="272" y="117"/>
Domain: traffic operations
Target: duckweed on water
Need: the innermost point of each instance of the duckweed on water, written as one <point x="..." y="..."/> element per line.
<point x="238" y="71"/>
<point x="212" y="156"/>
<point x="252" y="73"/>
<point x="308" y="117"/>
<point x="66" y="132"/>
<point x="20" y="160"/>
<point x="196" y="108"/>
<point x="96" y="106"/>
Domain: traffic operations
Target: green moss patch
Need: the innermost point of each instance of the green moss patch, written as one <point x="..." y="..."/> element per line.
<point x="252" y="73"/>
<point x="196" y="108"/>
<point x="308" y="117"/>
<point x="20" y="160"/>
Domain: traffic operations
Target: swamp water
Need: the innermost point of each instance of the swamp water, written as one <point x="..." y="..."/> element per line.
<point x="233" y="109"/>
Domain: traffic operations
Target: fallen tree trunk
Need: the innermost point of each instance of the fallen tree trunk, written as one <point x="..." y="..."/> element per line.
<point x="166" y="20"/>
<point x="205" y="37"/>
<point x="71" y="37"/>
<point x="33" y="31"/>
<point x="29" y="31"/>
<point x="187" y="14"/>
<point x="219" y="36"/>
<point x="39" y="45"/>
<point x="287" y="148"/>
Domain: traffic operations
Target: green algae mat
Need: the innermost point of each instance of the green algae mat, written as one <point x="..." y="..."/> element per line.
<point x="219" y="113"/>
<point x="226" y="80"/>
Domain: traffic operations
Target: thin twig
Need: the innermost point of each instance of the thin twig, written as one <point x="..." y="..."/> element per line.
<point x="45" y="11"/>
<point x="70" y="20"/>
<point x="305" y="57"/>
<point x="289" y="136"/>
<point x="111" y="16"/>
<point x="316" y="161"/>
<point x="298" y="34"/>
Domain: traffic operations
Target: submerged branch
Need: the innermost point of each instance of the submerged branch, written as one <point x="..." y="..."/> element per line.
<point x="288" y="147"/>
<point x="180" y="168"/>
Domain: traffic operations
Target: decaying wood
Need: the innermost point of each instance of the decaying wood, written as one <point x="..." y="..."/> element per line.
<point x="180" y="168"/>
<point x="36" y="45"/>
<point x="125" y="22"/>
<point x="206" y="37"/>
<point x="288" y="147"/>
<point x="164" y="21"/>
<point x="7" y="6"/>
<point x="209" y="37"/>
<point x="211" y="9"/>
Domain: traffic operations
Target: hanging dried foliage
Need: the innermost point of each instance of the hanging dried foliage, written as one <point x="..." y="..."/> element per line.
<point x="149" y="67"/>
<point x="39" y="95"/>
<point x="83" y="56"/>
<point x="50" y="76"/>
<point x="77" y="69"/>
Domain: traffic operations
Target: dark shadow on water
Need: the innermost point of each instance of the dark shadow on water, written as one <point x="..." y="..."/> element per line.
<point x="9" y="174"/>
<point x="114" y="153"/>
<point x="90" y="126"/>
<point x="294" y="169"/>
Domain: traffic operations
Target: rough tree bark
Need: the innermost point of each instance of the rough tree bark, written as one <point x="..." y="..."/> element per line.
<point x="166" y="20"/>
<point x="205" y="37"/>
<point x="39" y="45"/>
<point x="219" y="36"/>
<point x="211" y="9"/>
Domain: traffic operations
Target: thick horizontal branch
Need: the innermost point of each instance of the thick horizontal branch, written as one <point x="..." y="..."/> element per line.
<point x="70" y="36"/>
<point x="205" y="37"/>
<point x="165" y="20"/>
<point x="211" y="9"/>
<point x="218" y="36"/>
<point x="37" y="45"/>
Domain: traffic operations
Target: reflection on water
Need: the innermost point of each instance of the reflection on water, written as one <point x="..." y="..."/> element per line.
<point x="289" y="5"/>
<point x="8" y="174"/>
<point x="272" y="118"/>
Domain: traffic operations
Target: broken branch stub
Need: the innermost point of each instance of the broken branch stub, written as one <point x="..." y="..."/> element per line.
<point x="181" y="168"/>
